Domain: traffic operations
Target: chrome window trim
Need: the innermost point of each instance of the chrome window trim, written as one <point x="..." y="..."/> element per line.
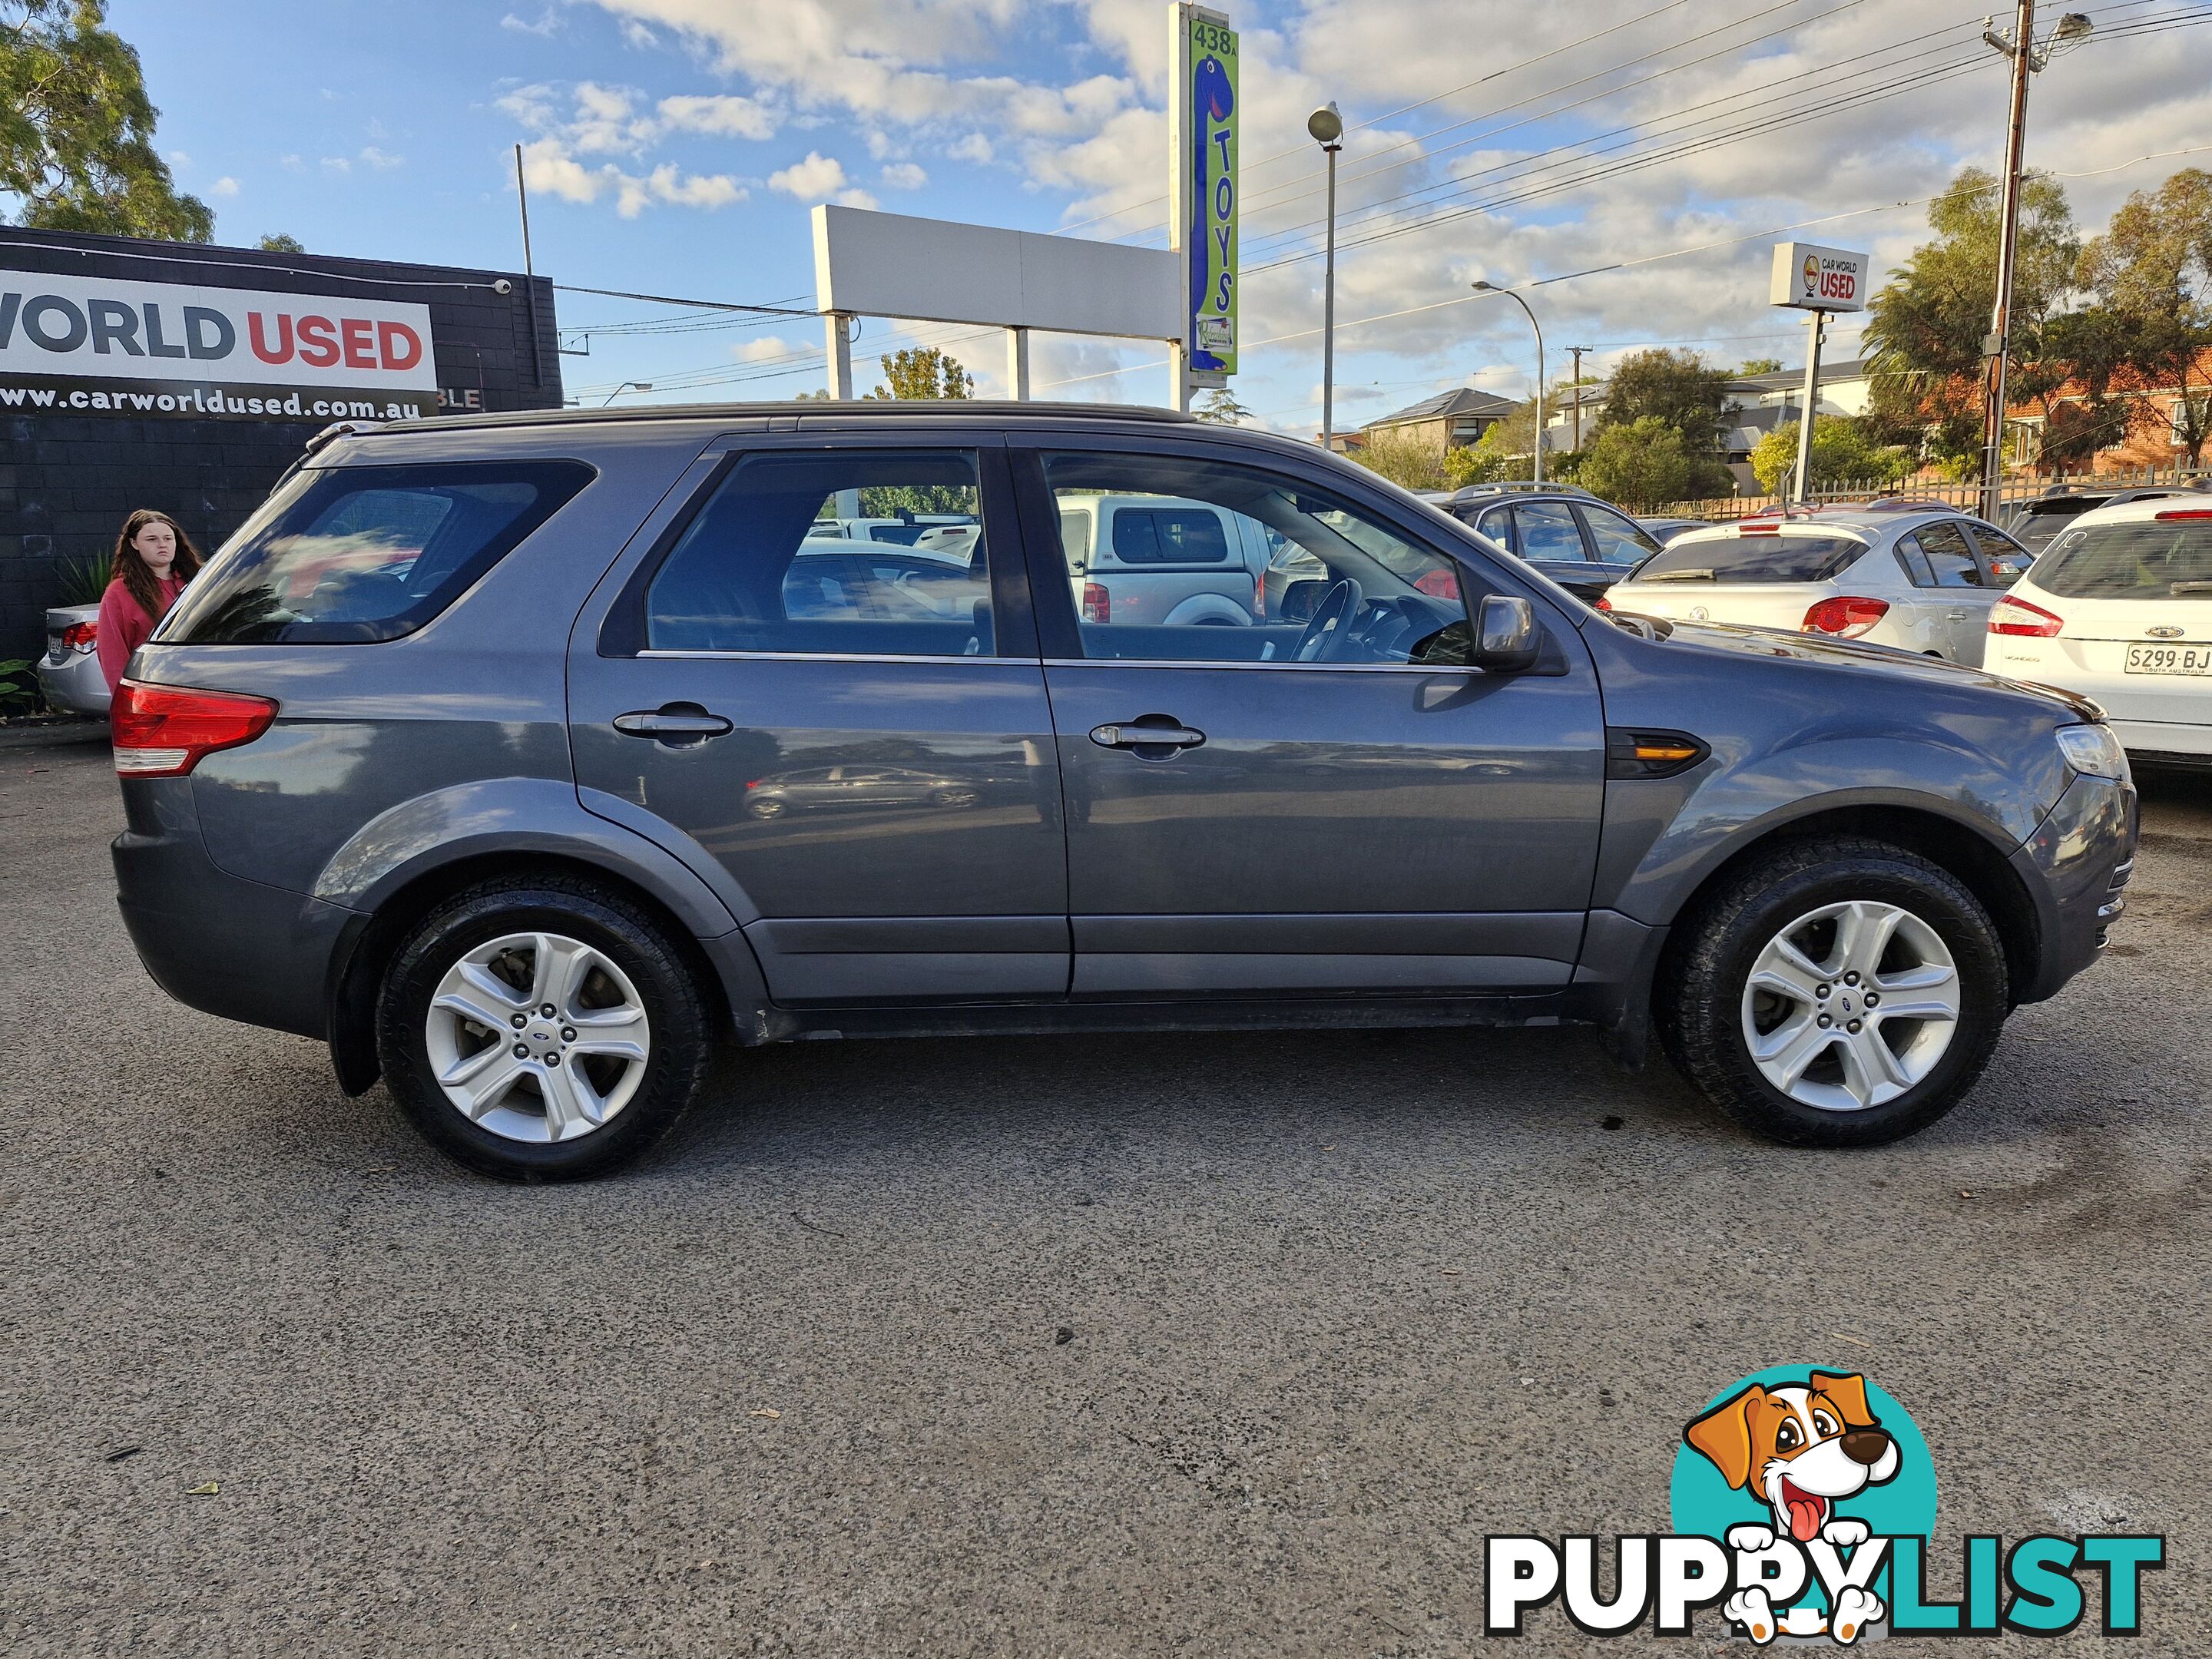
<point x="823" y="656"/>
<point x="1432" y="669"/>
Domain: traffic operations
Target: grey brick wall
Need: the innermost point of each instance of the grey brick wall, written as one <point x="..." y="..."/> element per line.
<point x="67" y="481"/>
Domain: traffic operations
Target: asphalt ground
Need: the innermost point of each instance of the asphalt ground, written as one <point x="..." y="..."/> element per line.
<point x="1129" y="1345"/>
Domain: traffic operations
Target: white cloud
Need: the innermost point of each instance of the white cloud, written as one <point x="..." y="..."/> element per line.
<point x="905" y="175"/>
<point x="819" y="178"/>
<point x="637" y="37"/>
<point x="225" y="185"/>
<point x="383" y="162"/>
<point x="291" y="164"/>
<point x="548" y="167"/>
<point x="726" y="116"/>
<point x="767" y="346"/>
<point x="977" y="148"/>
<point x="343" y="164"/>
<point x="177" y="158"/>
<point x="547" y="25"/>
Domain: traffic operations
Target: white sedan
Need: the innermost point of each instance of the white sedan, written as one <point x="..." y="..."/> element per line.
<point x="2119" y="608"/>
<point x="1919" y="579"/>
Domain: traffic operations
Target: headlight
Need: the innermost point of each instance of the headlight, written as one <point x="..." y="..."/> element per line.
<point x="2093" y="750"/>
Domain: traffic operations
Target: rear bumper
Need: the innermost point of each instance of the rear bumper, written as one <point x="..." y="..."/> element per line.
<point x="74" y="685"/>
<point x="2075" y="867"/>
<point x="2189" y="742"/>
<point x="215" y="941"/>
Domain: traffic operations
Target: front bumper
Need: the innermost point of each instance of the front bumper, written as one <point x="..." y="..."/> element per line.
<point x="2075" y="867"/>
<point x="215" y="941"/>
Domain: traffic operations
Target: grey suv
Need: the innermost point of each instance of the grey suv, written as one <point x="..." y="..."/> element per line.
<point x="493" y="752"/>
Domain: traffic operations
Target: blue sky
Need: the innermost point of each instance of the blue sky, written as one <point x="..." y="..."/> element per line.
<point x="676" y="147"/>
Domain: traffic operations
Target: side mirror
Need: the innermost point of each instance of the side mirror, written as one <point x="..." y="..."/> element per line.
<point x="1506" y="640"/>
<point x="1300" y="600"/>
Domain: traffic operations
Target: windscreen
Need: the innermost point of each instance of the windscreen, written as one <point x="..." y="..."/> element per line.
<point x="1782" y="558"/>
<point x="357" y="553"/>
<point x="2149" y="559"/>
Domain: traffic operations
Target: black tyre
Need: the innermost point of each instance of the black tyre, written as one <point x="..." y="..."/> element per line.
<point x="542" y="1028"/>
<point x="1842" y="992"/>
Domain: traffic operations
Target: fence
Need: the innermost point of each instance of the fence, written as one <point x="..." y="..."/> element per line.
<point x="1967" y="497"/>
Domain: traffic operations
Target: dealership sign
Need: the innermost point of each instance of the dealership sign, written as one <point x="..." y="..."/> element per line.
<point x="79" y="343"/>
<point x="1813" y="278"/>
<point x="1204" y="187"/>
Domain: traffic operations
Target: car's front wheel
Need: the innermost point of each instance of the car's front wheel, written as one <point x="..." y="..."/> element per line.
<point x="541" y="1028"/>
<point x="1841" y="993"/>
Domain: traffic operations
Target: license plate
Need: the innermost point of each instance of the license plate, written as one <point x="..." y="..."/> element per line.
<point x="2170" y="660"/>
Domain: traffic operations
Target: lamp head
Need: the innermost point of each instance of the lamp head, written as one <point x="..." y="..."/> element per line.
<point x="1484" y="288"/>
<point x="1326" y="123"/>
<point x="2074" y="25"/>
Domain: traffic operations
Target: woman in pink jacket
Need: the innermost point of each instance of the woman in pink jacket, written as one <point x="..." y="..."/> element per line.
<point x="154" y="560"/>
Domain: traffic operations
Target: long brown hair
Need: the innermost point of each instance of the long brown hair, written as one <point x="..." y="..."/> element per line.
<point x="131" y="570"/>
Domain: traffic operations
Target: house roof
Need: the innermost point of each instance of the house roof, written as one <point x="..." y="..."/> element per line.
<point x="1789" y="380"/>
<point x="1460" y="400"/>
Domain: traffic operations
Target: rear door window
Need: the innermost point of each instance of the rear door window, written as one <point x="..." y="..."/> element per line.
<point x="352" y="554"/>
<point x="1547" y="530"/>
<point x="2003" y="560"/>
<point x="1949" y="554"/>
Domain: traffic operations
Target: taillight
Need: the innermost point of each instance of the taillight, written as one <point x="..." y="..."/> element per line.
<point x="1439" y="585"/>
<point x="1845" y="618"/>
<point x="1259" y="598"/>
<point x="2187" y="513"/>
<point x="1097" y="603"/>
<point x="162" y="731"/>
<point x="81" y="636"/>
<point x="1603" y="603"/>
<point x="2011" y="616"/>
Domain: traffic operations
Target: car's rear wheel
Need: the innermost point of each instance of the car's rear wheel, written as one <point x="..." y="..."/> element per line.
<point x="541" y="1028"/>
<point x="1841" y="993"/>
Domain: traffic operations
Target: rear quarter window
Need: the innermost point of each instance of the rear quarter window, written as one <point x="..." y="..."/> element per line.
<point x="354" y="554"/>
<point x="1782" y="558"/>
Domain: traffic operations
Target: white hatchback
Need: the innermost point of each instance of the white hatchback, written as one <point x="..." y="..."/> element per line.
<point x="2119" y="608"/>
<point x="1917" y="579"/>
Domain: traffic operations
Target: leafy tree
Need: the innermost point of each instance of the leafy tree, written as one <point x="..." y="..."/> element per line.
<point x="1759" y="366"/>
<point x="1643" y="464"/>
<point x="1221" y="408"/>
<point x="1406" y="457"/>
<point x="278" y="242"/>
<point x="1843" y="454"/>
<point x="923" y="372"/>
<point x="1927" y="325"/>
<point x="1678" y="387"/>
<point x="2151" y="270"/>
<point x="76" y="128"/>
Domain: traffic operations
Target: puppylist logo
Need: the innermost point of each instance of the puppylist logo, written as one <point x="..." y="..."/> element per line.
<point x="1803" y="1500"/>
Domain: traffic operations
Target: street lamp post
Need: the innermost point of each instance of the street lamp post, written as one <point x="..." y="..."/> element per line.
<point x="1537" y="466"/>
<point x="628" y="385"/>
<point x="2027" y="58"/>
<point x="1326" y="126"/>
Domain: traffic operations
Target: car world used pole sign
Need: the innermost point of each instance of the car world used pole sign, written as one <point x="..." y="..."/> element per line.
<point x="1813" y="278"/>
<point x="90" y="345"/>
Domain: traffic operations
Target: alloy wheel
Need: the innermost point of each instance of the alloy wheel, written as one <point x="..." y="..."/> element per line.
<point x="1850" y="1006"/>
<point x="537" y="1037"/>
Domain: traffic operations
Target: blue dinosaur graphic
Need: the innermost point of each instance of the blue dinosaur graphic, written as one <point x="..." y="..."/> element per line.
<point x="1211" y="100"/>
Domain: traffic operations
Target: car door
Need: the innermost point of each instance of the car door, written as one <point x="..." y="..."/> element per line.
<point x="1963" y="593"/>
<point x="1617" y="543"/>
<point x="1340" y="807"/>
<point x="874" y="776"/>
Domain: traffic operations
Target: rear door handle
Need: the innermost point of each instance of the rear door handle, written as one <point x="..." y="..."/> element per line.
<point x="1140" y="734"/>
<point x="675" y="722"/>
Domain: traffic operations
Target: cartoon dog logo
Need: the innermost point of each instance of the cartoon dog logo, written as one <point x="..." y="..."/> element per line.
<point x="1812" y="275"/>
<point x="1801" y="1449"/>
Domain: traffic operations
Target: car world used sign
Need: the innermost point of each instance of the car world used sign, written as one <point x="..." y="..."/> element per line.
<point x="1813" y="278"/>
<point x="82" y="345"/>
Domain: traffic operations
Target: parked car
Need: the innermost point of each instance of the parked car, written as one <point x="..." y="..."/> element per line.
<point x="2033" y="524"/>
<point x="482" y="828"/>
<point x="1921" y="581"/>
<point x="1576" y="539"/>
<point x="2119" y="608"/>
<point x="884" y="581"/>
<point x="1663" y="531"/>
<point x="69" y="674"/>
<point x="1157" y="559"/>
<point x="902" y="531"/>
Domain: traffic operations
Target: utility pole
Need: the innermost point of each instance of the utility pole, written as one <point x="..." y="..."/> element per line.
<point x="522" y="195"/>
<point x="1580" y="352"/>
<point x="2027" y="58"/>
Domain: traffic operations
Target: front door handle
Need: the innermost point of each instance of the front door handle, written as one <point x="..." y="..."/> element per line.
<point x="1159" y="732"/>
<point x="672" y="722"/>
<point x="1960" y="616"/>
